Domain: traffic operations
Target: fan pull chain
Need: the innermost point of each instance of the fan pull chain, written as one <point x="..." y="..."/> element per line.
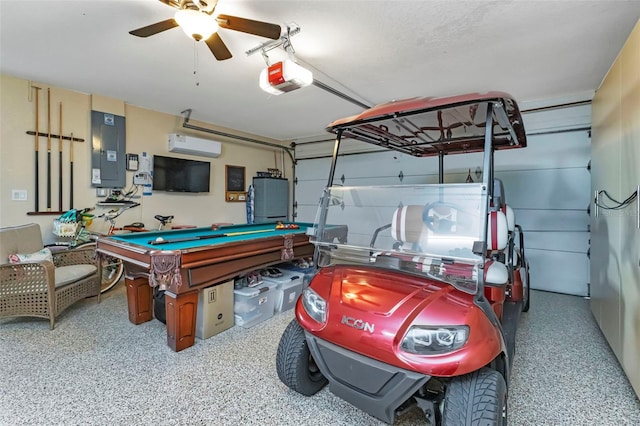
<point x="195" y="63"/>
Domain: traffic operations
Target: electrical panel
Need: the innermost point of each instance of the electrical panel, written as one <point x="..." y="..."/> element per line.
<point x="108" y="164"/>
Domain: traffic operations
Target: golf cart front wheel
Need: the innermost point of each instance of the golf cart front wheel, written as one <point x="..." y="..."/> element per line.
<point x="478" y="398"/>
<point x="295" y="365"/>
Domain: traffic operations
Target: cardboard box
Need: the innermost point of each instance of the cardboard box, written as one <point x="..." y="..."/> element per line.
<point x="215" y="310"/>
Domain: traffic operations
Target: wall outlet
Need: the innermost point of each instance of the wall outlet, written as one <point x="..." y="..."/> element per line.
<point x="101" y="192"/>
<point x="19" y="194"/>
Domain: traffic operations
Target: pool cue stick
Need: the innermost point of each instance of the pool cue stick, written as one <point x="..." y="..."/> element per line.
<point x="206" y="237"/>
<point x="48" y="149"/>
<point x="60" y="164"/>
<point x="37" y="136"/>
<point x="71" y="172"/>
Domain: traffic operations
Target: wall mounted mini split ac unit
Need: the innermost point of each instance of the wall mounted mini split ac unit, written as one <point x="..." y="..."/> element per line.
<point x="184" y="144"/>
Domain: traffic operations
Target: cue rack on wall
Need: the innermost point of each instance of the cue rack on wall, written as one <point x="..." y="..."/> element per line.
<point x="50" y="153"/>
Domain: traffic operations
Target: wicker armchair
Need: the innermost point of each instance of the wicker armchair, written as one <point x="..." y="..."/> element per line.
<point x="43" y="288"/>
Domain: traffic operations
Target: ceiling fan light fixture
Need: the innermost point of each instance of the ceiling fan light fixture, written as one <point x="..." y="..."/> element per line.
<point x="197" y="25"/>
<point x="284" y="76"/>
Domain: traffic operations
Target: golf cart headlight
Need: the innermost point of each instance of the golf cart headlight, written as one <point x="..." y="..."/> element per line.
<point x="423" y="340"/>
<point x="315" y="305"/>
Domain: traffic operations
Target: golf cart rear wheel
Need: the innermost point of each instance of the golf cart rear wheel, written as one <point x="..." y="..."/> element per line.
<point x="295" y="365"/>
<point x="478" y="398"/>
<point x="527" y="294"/>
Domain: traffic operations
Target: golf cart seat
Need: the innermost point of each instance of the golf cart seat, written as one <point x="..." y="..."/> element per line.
<point x="496" y="273"/>
<point x="497" y="241"/>
<point x="436" y="229"/>
<point x="499" y="203"/>
<point x="407" y="225"/>
<point x="497" y="231"/>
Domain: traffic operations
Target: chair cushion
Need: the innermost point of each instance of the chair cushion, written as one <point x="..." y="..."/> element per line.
<point x="19" y="239"/>
<point x="44" y="254"/>
<point x="68" y="274"/>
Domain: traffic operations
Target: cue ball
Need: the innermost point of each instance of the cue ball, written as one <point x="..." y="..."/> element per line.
<point x="159" y="239"/>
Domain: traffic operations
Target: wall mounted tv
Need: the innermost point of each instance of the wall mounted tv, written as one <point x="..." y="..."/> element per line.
<point x="180" y="175"/>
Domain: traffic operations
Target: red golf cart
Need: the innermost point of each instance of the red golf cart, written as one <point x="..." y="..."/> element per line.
<point x="420" y="304"/>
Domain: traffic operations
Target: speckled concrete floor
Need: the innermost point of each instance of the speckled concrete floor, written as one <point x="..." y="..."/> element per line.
<point x="96" y="368"/>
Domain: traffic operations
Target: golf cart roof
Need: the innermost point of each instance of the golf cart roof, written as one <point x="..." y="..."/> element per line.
<point x="428" y="126"/>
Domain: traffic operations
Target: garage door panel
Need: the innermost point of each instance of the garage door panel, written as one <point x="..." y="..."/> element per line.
<point x="311" y="194"/>
<point x="577" y="242"/>
<point x="307" y="213"/>
<point x="552" y="220"/>
<point x="559" y="271"/>
<point x="555" y="189"/>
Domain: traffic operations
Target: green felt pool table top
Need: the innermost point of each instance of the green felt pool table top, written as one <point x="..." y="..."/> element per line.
<point x="182" y="239"/>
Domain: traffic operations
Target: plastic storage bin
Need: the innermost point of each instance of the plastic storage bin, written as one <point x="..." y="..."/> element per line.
<point x="307" y="273"/>
<point x="253" y="305"/>
<point x="289" y="288"/>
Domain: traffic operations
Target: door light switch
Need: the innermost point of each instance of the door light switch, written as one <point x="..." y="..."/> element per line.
<point x="19" y="194"/>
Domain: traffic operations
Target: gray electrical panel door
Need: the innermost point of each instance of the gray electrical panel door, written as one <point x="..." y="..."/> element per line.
<point x="271" y="202"/>
<point x="108" y="169"/>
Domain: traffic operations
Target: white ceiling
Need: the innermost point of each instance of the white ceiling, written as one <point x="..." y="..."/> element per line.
<point x="374" y="51"/>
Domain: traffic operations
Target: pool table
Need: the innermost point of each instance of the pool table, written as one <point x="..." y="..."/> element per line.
<point x="184" y="261"/>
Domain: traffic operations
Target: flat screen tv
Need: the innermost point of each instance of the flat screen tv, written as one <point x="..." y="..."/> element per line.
<point x="180" y="175"/>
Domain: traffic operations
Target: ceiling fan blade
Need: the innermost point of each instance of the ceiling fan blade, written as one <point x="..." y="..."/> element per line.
<point x="172" y="3"/>
<point x="259" y="28"/>
<point x="156" y="28"/>
<point x="217" y="47"/>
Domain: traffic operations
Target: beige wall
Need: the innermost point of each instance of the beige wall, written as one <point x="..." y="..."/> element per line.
<point x="146" y="131"/>
<point x="615" y="234"/>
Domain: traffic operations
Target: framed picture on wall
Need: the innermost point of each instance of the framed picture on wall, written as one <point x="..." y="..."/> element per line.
<point x="235" y="184"/>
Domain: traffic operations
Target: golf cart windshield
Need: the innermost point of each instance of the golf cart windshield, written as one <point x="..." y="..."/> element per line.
<point x="437" y="230"/>
<point x="429" y="230"/>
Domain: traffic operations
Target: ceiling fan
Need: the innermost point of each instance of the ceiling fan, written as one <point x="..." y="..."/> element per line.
<point x="198" y="21"/>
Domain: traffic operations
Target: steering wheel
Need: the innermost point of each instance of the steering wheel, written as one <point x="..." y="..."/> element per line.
<point x="441" y="217"/>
